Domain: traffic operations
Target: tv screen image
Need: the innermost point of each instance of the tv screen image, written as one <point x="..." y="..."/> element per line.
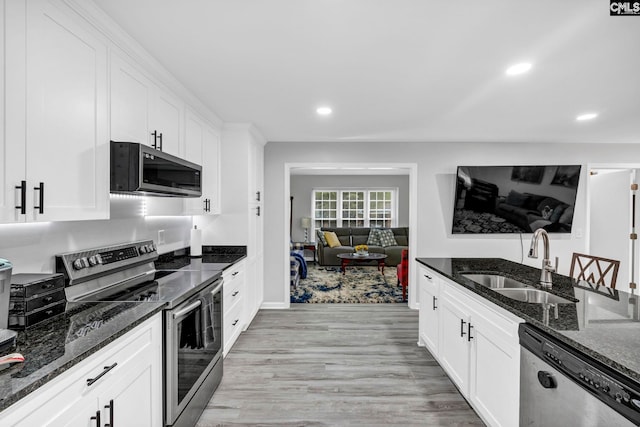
<point x="515" y="199"/>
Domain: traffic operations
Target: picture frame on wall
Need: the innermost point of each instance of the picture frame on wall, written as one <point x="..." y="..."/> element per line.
<point x="567" y="176"/>
<point x="529" y="174"/>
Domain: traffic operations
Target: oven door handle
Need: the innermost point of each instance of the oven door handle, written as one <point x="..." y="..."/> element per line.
<point x="216" y="289"/>
<point x="187" y="309"/>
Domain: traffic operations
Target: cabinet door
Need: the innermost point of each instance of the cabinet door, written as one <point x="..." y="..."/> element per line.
<point x="168" y="119"/>
<point x="454" y="346"/>
<point x="495" y="372"/>
<point x="131" y="98"/>
<point x="429" y="311"/>
<point x="135" y="397"/>
<point x="202" y="144"/>
<point x="12" y="118"/>
<point x="66" y="129"/>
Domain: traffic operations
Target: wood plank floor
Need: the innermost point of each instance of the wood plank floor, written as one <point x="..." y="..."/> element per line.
<point x="335" y="365"/>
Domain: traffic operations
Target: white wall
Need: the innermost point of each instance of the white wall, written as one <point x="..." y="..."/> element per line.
<point x="437" y="163"/>
<point x="302" y="186"/>
<point x="32" y="247"/>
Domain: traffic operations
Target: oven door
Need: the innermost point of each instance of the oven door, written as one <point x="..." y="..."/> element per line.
<point x="193" y="345"/>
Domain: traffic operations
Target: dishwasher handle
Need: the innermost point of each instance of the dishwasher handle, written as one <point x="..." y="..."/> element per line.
<point x="547" y="380"/>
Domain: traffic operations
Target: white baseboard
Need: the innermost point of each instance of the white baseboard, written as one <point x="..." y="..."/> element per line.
<point x="274" y="306"/>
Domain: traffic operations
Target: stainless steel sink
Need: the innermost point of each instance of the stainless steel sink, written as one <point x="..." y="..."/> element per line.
<point x="533" y="296"/>
<point x="496" y="281"/>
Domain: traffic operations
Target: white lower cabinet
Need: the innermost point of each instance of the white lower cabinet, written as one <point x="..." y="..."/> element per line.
<point x="477" y="345"/>
<point x="127" y="387"/>
<point x="234" y="300"/>
<point x="429" y="289"/>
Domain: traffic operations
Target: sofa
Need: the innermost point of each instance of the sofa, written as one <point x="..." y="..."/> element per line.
<point x="351" y="237"/>
<point x="531" y="211"/>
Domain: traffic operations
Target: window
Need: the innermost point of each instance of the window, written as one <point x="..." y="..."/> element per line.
<point x="325" y="209"/>
<point x="380" y="205"/>
<point x="369" y="207"/>
<point x="353" y="209"/>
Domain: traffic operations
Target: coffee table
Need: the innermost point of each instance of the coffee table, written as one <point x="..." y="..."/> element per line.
<point x="351" y="258"/>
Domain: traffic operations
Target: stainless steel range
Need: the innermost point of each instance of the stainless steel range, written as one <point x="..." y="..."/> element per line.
<point x="192" y="318"/>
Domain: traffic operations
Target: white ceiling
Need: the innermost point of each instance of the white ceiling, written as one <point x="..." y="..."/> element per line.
<point x="401" y="70"/>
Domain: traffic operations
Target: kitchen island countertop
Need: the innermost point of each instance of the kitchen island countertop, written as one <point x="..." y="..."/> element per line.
<point x="601" y="322"/>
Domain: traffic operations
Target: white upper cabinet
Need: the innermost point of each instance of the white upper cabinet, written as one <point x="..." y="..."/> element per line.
<point x="130" y="103"/>
<point x="143" y="112"/>
<point x="167" y="120"/>
<point x="56" y="116"/>
<point x="202" y="146"/>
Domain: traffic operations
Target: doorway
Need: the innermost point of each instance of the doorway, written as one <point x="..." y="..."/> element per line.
<point x="610" y="207"/>
<point x="353" y="169"/>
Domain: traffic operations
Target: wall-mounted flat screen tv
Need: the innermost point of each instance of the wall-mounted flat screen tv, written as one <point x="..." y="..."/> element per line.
<point x="515" y="199"/>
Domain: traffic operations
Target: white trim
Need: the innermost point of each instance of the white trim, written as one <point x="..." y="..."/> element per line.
<point x="413" y="223"/>
<point x="274" y="306"/>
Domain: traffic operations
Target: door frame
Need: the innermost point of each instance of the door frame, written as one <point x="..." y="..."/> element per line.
<point x="344" y="170"/>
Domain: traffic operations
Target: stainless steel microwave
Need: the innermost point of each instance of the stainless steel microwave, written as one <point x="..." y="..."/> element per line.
<point x="143" y="170"/>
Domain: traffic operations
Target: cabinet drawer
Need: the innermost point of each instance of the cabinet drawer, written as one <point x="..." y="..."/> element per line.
<point x="233" y="289"/>
<point x="232" y="325"/>
<point x="429" y="279"/>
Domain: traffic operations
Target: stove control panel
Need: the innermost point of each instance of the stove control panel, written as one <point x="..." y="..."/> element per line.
<point x="84" y="265"/>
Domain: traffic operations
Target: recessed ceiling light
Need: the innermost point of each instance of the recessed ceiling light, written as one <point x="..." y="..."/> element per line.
<point x="520" y="68"/>
<point x="324" y="111"/>
<point x="586" y="116"/>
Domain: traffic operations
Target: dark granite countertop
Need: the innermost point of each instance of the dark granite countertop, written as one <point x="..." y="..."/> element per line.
<point x="601" y="322"/>
<point x="217" y="257"/>
<point x="59" y="343"/>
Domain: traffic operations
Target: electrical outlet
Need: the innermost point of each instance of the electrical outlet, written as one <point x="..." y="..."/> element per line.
<point x="161" y="237"/>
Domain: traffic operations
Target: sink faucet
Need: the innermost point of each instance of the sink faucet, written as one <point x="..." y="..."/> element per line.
<point x="547" y="268"/>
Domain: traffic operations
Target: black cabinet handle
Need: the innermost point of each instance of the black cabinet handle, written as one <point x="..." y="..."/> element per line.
<point x="40" y="188"/>
<point x="235" y="322"/>
<point x="235" y="293"/>
<point x="428" y="277"/>
<point x="160" y="137"/>
<point x="155" y="139"/>
<point x="258" y="210"/>
<point x="90" y="381"/>
<point x="23" y="197"/>
<point x="235" y="273"/>
<point x="110" y="407"/>
<point x="462" y="332"/>
<point x="97" y="418"/>
<point x="257" y="196"/>
<point x="469" y="337"/>
<point x="434" y="302"/>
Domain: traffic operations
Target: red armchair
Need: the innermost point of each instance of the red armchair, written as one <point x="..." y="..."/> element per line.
<point x="403" y="273"/>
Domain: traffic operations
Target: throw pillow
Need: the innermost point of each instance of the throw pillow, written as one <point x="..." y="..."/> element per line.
<point x="557" y="212"/>
<point x="567" y="216"/>
<point x="321" y="238"/>
<point x="387" y="238"/>
<point x="332" y="239"/>
<point x="374" y="239"/>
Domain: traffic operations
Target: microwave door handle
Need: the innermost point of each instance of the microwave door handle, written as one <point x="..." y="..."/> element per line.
<point x="187" y="309"/>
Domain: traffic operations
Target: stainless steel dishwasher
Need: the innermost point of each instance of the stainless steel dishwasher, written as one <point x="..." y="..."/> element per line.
<point x="560" y="386"/>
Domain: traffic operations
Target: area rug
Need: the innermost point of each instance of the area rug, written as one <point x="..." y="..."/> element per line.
<point x="360" y="284"/>
<point x="466" y="221"/>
